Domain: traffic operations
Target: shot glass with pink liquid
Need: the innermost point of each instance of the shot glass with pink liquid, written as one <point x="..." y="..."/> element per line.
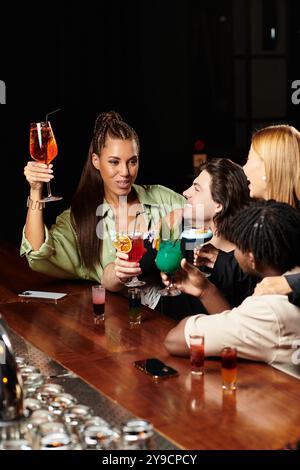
<point x="197" y="353"/>
<point x="98" y="297"/>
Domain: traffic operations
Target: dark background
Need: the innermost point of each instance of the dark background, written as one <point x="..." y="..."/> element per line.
<point x="177" y="71"/>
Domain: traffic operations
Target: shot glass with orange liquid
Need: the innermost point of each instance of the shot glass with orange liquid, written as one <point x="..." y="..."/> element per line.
<point x="229" y="368"/>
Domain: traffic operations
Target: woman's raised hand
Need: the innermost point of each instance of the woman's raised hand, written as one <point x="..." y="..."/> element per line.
<point x="38" y="173"/>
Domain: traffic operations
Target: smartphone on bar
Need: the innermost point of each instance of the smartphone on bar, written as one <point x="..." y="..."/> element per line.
<point x="36" y="294"/>
<point x="156" y="368"/>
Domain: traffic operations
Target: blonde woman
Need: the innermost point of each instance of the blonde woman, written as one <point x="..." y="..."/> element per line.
<point x="273" y="170"/>
<point x="273" y="165"/>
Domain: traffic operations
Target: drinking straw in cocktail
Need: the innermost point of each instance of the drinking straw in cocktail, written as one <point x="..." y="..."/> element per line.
<point x="135" y="221"/>
<point x="52" y="112"/>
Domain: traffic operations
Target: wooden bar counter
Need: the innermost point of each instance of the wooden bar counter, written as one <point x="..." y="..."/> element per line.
<point x="192" y="412"/>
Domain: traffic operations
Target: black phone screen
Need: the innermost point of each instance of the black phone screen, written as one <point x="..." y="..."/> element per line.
<point x="155" y="368"/>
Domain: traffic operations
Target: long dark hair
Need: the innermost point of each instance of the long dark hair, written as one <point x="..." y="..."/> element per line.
<point x="90" y="191"/>
<point x="228" y="187"/>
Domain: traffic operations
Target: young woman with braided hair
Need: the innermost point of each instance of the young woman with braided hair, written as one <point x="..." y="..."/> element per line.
<point x="263" y="328"/>
<point x="80" y="244"/>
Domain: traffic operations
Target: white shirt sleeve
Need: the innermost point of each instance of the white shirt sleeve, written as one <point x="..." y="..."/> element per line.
<point x="251" y="328"/>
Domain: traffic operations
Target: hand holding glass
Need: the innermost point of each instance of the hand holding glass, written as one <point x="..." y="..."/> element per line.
<point x="202" y="237"/>
<point x="43" y="149"/>
<point x="133" y="245"/>
<point x="168" y="260"/>
<point x="194" y="239"/>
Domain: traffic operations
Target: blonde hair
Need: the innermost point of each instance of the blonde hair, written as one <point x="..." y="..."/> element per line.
<point x="279" y="148"/>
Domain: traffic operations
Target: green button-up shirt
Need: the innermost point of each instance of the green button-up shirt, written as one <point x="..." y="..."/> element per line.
<point x="59" y="254"/>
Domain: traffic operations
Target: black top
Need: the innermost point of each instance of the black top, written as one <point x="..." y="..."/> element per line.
<point x="294" y="283"/>
<point x="228" y="276"/>
<point x="147" y="263"/>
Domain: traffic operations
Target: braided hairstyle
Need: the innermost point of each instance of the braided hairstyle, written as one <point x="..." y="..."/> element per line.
<point x="90" y="191"/>
<point x="111" y="124"/>
<point x="271" y="231"/>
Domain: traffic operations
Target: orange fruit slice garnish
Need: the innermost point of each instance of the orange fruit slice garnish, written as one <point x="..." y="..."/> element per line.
<point x="123" y="244"/>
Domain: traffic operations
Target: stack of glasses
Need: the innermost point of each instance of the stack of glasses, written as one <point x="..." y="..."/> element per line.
<point x="53" y="420"/>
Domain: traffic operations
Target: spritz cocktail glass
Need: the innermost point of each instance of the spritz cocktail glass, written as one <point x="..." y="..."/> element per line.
<point x="43" y="149"/>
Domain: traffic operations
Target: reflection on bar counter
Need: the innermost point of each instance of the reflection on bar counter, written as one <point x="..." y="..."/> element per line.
<point x="49" y="418"/>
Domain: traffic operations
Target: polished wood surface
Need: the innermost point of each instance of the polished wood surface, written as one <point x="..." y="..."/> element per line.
<point x="193" y="412"/>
